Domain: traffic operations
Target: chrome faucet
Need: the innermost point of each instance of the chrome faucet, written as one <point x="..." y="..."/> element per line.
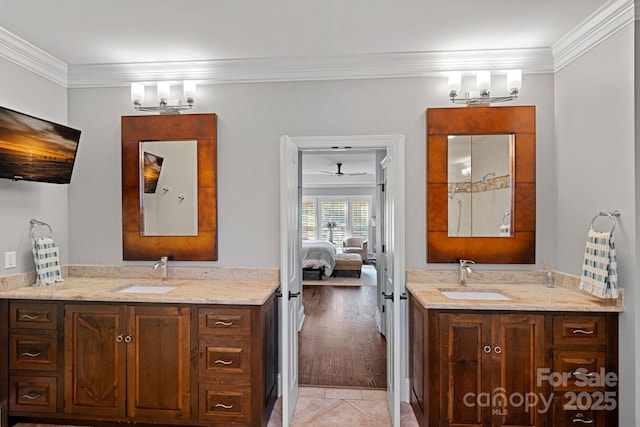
<point x="163" y="268"/>
<point x="465" y="270"/>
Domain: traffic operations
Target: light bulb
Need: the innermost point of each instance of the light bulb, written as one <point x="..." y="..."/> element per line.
<point x="189" y="89"/>
<point x="514" y="80"/>
<point x="137" y="93"/>
<point x="483" y="81"/>
<point x="164" y="89"/>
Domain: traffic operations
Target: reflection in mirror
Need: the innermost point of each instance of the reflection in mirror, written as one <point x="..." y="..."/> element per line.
<point x="169" y="188"/>
<point x="480" y="196"/>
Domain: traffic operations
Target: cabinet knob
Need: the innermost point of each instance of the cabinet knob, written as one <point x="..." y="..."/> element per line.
<point x="127" y="339"/>
<point x="120" y="338"/>
<point x="497" y="349"/>
<point x="487" y="349"/>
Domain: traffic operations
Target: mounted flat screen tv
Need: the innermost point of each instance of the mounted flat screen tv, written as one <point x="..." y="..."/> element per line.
<point x="33" y="149"/>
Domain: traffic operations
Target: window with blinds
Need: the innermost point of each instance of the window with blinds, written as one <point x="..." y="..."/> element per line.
<point x="349" y="214"/>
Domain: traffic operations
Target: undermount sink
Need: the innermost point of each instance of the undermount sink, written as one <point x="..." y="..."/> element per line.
<point x="475" y="294"/>
<point x="139" y="288"/>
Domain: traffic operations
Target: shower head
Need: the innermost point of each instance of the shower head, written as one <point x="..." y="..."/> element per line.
<point x="487" y="175"/>
<point x="458" y="188"/>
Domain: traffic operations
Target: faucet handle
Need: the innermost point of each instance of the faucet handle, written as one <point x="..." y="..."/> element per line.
<point x="466" y="262"/>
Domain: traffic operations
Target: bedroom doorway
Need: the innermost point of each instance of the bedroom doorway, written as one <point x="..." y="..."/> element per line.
<point x="392" y="262"/>
<point x="340" y="341"/>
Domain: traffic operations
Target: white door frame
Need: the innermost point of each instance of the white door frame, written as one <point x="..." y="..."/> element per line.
<point x="394" y="144"/>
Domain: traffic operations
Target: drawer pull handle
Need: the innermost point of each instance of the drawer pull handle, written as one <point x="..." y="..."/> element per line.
<point x="224" y="362"/>
<point x="28" y="354"/>
<point x="584" y="374"/>
<point x="487" y="349"/>
<point x="581" y="331"/>
<point x="30" y="316"/>
<point x="221" y="323"/>
<point x="222" y="405"/>
<point x="580" y="419"/>
<point x="31" y="396"/>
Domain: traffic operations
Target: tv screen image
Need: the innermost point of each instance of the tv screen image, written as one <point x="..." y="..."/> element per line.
<point x="34" y="149"/>
<point x="152" y="169"/>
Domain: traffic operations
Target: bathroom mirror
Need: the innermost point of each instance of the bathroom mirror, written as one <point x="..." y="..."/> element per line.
<point x="479" y="185"/>
<point x="517" y="124"/>
<point x="186" y="144"/>
<point x="169" y="188"/>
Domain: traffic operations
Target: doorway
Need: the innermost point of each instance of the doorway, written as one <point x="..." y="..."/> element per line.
<point x="340" y="342"/>
<point x="391" y="288"/>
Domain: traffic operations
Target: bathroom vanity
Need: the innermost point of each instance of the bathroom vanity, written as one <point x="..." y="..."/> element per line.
<point x="201" y="354"/>
<point x="542" y="357"/>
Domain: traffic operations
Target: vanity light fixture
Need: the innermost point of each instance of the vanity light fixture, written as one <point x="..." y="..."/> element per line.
<point x="164" y="91"/>
<point x="483" y="86"/>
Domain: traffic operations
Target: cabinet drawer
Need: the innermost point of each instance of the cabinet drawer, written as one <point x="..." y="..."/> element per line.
<point x="567" y="412"/>
<point x="581" y="370"/>
<point x="224" y="404"/>
<point x="579" y="329"/>
<point x="224" y="321"/>
<point x="225" y="357"/>
<point x="32" y="394"/>
<point x="33" y="352"/>
<point x="33" y="315"/>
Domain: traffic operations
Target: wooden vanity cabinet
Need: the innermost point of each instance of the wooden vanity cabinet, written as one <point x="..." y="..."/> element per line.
<point x="474" y="368"/>
<point x="127" y="361"/>
<point x="114" y="364"/>
<point x="34" y="356"/>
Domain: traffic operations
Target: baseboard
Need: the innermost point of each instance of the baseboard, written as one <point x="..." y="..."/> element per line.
<point x="405" y="393"/>
<point x="379" y="321"/>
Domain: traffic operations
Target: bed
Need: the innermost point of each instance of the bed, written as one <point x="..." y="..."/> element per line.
<point x="318" y="256"/>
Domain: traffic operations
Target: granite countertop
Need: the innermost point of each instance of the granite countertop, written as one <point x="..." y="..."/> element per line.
<point x="525" y="297"/>
<point x="188" y="291"/>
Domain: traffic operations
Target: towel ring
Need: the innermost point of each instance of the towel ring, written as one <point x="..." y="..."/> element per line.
<point x="611" y="218"/>
<point x="34" y="226"/>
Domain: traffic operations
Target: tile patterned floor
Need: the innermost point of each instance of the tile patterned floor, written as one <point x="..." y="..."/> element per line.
<point x="325" y="407"/>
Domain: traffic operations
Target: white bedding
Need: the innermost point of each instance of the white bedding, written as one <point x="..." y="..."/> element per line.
<point x="317" y="254"/>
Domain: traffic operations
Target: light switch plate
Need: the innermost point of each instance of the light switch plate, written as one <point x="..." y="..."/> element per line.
<point x="10" y="259"/>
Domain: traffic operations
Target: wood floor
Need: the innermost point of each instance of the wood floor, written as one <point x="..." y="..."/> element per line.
<point x="339" y="344"/>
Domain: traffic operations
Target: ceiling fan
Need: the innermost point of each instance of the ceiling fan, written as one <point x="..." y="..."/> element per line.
<point x="340" y="173"/>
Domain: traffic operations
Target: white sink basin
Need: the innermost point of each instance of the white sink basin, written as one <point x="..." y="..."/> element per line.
<point x="475" y="294"/>
<point x="145" y="289"/>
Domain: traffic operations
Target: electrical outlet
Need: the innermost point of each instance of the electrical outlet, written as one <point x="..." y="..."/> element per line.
<point x="10" y="259"/>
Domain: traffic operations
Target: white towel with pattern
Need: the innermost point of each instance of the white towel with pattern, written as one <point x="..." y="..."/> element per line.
<point x="600" y="269"/>
<point x="46" y="258"/>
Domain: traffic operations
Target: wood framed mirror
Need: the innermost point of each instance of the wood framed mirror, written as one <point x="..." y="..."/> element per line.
<point x="190" y="135"/>
<point x="518" y="245"/>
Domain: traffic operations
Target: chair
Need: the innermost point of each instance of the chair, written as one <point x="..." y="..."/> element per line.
<point x="356" y="245"/>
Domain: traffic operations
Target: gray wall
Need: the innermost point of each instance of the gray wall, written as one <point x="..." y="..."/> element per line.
<point x="20" y="201"/>
<point x="251" y="119"/>
<point x="596" y="171"/>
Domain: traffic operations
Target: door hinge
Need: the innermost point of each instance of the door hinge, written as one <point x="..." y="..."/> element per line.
<point x="383" y="308"/>
<point x="382" y="187"/>
<point x="383" y="248"/>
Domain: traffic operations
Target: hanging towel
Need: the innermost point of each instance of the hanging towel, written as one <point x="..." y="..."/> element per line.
<point x="505" y="230"/>
<point x="599" y="272"/>
<point x="46" y="258"/>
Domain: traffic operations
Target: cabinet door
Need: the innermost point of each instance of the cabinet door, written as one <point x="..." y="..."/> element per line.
<point x="95" y="354"/>
<point x="517" y="353"/>
<point x="465" y="369"/>
<point x="158" y="362"/>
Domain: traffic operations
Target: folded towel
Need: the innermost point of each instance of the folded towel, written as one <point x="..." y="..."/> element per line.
<point x="46" y="258"/>
<point x="505" y="230"/>
<point x="599" y="273"/>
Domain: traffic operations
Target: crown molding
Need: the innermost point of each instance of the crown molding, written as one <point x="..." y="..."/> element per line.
<point x="258" y="70"/>
<point x="601" y="25"/>
<point x="32" y="58"/>
<point x="598" y="27"/>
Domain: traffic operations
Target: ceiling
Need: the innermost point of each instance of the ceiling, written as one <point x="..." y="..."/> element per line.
<point x="125" y="31"/>
<point x="315" y="164"/>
